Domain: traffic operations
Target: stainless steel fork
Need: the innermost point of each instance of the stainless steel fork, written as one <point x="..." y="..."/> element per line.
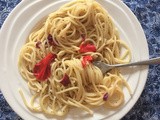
<point x="106" y="67"/>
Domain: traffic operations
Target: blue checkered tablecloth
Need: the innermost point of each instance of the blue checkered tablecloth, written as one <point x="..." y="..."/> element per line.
<point x="148" y="105"/>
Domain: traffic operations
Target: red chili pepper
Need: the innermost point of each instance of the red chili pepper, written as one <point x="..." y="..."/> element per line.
<point x="105" y="97"/>
<point x="65" y="80"/>
<point x="86" y="60"/>
<point x="83" y="37"/>
<point x="50" y="40"/>
<point x="87" y="48"/>
<point x="38" y="44"/>
<point x="42" y="70"/>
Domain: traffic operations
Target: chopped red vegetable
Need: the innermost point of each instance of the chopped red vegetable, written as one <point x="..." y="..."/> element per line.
<point x="105" y="97"/>
<point x="86" y="60"/>
<point x="50" y="40"/>
<point x="65" y="80"/>
<point x="83" y="37"/>
<point x="42" y="70"/>
<point x="87" y="48"/>
<point x="38" y="44"/>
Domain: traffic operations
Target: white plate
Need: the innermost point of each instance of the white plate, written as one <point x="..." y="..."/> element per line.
<point x="20" y="23"/>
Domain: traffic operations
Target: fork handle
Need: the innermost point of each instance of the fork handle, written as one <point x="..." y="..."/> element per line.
<point x="144" y="62"/>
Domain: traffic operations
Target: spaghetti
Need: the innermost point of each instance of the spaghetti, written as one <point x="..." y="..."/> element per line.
<point x="56" y="60"/>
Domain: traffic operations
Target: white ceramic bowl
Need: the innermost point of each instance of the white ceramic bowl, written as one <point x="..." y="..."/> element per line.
<point x="19" y="24"/>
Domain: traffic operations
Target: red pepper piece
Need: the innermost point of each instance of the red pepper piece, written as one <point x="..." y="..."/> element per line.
<point x="105" y="97"/>
<point x="42" y="70"/>
<point x="38" y="44"/>
<point x="86" y="60"/>
<point x="83" y="37"/>
<point x="50" y="40"/>
<point x="65" y="80"/>
<point x="87" y="48"/>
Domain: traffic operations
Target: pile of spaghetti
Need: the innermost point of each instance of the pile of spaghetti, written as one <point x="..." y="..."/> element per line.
<point x="56" y="61"/>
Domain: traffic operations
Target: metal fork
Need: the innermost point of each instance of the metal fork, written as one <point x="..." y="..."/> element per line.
<point x="106" y="67"/>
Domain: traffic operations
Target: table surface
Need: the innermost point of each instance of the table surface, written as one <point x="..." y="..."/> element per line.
<point x="148" y="105"/>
